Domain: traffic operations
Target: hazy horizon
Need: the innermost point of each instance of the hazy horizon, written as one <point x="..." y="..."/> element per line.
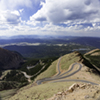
<point x="42" y="36"/>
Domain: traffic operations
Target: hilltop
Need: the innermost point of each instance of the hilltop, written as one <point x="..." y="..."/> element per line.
<point x="94" y="58"/>
<point x="65" y="64"/>
<point x="62" y="73"/>
<point x="9" y="59"/>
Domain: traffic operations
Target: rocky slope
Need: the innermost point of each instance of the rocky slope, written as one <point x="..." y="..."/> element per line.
<point x="79" y="91"/>
<point x="9" y="60"/>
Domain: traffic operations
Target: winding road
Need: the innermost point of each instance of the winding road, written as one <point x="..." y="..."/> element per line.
<point x="58" y="67"/>
<point x="25" y="74"/>
<point x="61" y="77"/>
<point x="30" y="76"/>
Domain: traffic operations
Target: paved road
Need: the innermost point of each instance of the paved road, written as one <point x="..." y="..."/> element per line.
<point x="59" y="76"/>
<point x="71" y="80"/>
<point x="58" y="67"/>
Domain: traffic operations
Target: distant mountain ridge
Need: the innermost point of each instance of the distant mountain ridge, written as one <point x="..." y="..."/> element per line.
<point x="9" y="60"/>
<point x="89" y="41"/>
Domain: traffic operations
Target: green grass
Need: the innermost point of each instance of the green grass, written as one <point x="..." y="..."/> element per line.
<point x="39" y="65"/>
<point x="68" y="59"/>
<point x="65" y="62"/>
<point x="6" y="85"/>
<point x="14" y="75"/>
<point x="29" y="62"/>
<point x="6" y="94"/>
<point x="49" y="72"/>
<point x="41" y="92"/>
<point x="94" y="59"/>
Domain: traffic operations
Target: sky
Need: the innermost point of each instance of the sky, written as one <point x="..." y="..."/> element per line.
<point x="50" y="17"/>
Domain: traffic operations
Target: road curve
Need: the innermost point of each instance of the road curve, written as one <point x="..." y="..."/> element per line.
<point x="70" y="80"/>
<point x="59" y="76"/>
<point x="25" y="74"/>
<point x="30" y="76"/>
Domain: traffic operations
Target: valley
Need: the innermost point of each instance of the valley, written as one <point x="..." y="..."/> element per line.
<point x="47" y="68"/>
<point x="60" y="74"/>
<point x="31" y="46"/>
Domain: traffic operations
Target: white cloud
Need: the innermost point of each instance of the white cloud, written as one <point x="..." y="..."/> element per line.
<point x="57" y="11"/>
<point x="55" y="17"/>
<point x="21" y="10"/>
<point x="11" y="11"/>
<point x="15" y="12"/>
<point x="77" y="15"/>
<point x="12" y="4"/>
<point x="9" y="17"/>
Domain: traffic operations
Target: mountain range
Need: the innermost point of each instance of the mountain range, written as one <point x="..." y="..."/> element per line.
<point x="92" y="41"/>
<point x="81" y="70"/>
<point x="48" y="46"/>
<point x="71" y="69"/>
<point x="39" y="67"/>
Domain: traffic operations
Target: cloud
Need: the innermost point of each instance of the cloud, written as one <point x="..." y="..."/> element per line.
<point x="40" y="19"/>
<point x="58" y="17"/>
<point x="87" y="2"/>
<point x="12" y="4"/>
<point x="10" y="17"/>
<point x="26" y="7"/>
<point x="57" y="11"/>
<point x="13" y="11"/>
<point x="49" y="17"/>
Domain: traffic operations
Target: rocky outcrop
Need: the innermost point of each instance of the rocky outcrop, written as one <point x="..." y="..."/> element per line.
<point x="9" y="59"/>
<point x="79" y="91"/>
